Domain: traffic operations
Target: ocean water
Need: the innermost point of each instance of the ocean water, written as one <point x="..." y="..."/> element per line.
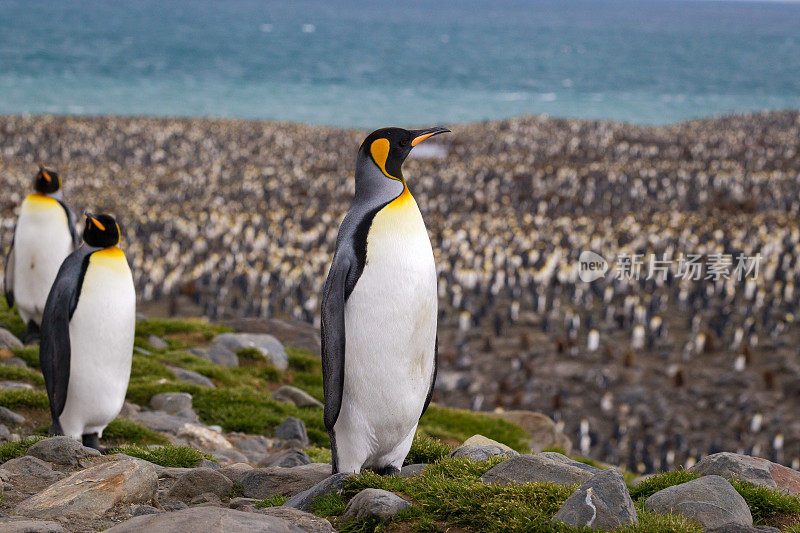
<point x="369" y="64"/>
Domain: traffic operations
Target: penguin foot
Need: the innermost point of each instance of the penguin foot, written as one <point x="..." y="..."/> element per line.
<point x="55" y="430"/>
<point x="388" y="470"/>
<point x="33" y="333"/>
<point x="91" y="440"/>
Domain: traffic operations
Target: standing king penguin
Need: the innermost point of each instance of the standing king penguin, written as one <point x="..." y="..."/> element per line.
<point x="44" y="235"/>
<point x="379" y="312"/>
<point x="87" y="334"/>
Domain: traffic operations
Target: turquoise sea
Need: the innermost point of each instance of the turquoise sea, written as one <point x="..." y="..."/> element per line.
<point x="364" y="64"/>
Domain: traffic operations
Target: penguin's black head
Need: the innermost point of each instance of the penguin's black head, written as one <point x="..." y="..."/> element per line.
<point x="101" y="231"/>
<point x="46" y="181"/>
<point x="389" y="147"/>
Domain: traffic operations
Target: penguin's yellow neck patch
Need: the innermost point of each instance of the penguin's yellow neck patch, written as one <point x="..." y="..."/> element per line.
<point x="39" y="201"/>
<point x="379" y="149"/>
<point x="112" y="257"/>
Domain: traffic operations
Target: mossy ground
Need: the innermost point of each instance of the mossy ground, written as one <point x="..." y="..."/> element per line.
<point x="448" y="495"/>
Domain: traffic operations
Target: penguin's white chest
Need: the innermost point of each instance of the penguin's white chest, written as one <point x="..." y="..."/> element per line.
<point x="390" y="329"/>
<point x="41" y="243"/>
<point x="101" y="335"/>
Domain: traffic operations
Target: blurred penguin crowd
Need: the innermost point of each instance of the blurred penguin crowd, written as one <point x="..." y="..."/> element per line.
<point x="231" y="219"/>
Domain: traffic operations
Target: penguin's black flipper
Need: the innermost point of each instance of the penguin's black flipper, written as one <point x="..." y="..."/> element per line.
<point x="8" y="273"/>
<point x="71" y="220"/>
<point x="433" y="378"/>
<point x="332" y="336"/>
<point x="54" y="348"/>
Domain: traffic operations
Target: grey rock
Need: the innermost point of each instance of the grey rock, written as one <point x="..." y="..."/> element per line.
<point x="188" y="376"/>
<point x="265" y="482"/>
<point x="217" y="353"/>
<point x="230" y="456"/>
<point x="541" y="429"/>
<point x="412" y="470"/>
<point x="754" y="470"/>
<point x="161" y="421"/>
<point x="129" y="410"/>
<point x="305" y="521"/>
<point x="8" y="340"/>
<point x="92" y="492"/>
<point x="15" y="385"/>
<point x="30" y="474"/>
<point x="157" y="342"/>
<point x="206" y="520"/>
<point x="5" y="434"/>
<point x="603" y="502"/>
<point x="331" y="485"/>
<point x="299" y="397"/>
<point x="7" y="416"/>
<point x="141" y="351"/>
<point x="198" y="481"/>
<point x="16" y="524"/>
<point x="377" y="503"/>
<point x="207" y="463"/>
<point x="16" y="361"/>
<point x="172" y="402"/>
<point x="292" y="429"/>
<point x="267" y="345"/>
<point x="535" y="469"/>
<point x="172" y="472"/>
<point x="710" y="500"/>
<point x="286" y="458"/>
<point x="141" y="510"/>
<point x="236" y="471"/>
<point x="61" y="450"/>
<point x="481" y="453"/>
<point x="243" y="504"/>
<point x="561" y="458"/>
<point x="207" y="498"/>
<point x="738" y="528"/>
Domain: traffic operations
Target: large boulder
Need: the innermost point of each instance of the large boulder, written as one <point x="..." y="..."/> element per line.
<point x="754" y="470"/>
<point x="528" y="468"/>
<point x="90" y="493"/>
<point x="481" y="453"/>
<point x="305" y="521"/>
<point x="295" y="333"/>
<point x="189" y="376"/>
<point x="198" y="481"/>
<point x="710" y="500"/>
<point x="175" y="403"/>
<point x="265" y="482"/>
<point x="30" y="474"/>
<point x="8" y="416"/>
<point x="299" y="397"/>
<point x="17" y="524"/>
<point x="541" y="429"/>
<point x="216" y="353"/>
<point x="8" y="340"/>
<point x="206" y="520"/>
<point x="265" y="344"/>
<point x="236" y="471"/>
<point x="292" y="429"/>
<point x="603" y="502"/>
<point x="331" y="485"/>
<point x="286" y="458"/>
<point x="61" y="450"/>
<point x="377" y="503"/>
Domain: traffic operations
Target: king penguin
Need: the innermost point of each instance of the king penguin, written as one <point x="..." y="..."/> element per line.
<point x="87" y="334"/>
<point x="43" y="237"/>
<point x="379" y="312"/>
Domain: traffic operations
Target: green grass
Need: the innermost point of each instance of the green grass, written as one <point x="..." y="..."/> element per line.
<point x="661" y="523"/>
<point x="140" y="390"/>
<point x="660" y="481"/>
<point x="10" y="450"/>
<point x="177" y="456"/>
<point x="29" y="354"/>
<point x="328" y="505"/>
<point x="16" y="373"/>
<point x="273" y="501"/>
<point x="319" y="454"/>
<point x="427" y="450"/>
<point x="459" y="425"/>
<point x="250" y="353"/>
<point x="767" y="505"/>
<point x="450" y="491"/>
<point x="165" y="328"/>
<point x="122" y="430"/>
<point x="10" y="319"/>
<point x="15" y="399"/>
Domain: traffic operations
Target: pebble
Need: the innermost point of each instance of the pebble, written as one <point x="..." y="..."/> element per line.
<point x="292" y="429"/>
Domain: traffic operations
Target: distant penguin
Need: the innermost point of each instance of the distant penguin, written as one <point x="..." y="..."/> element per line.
<point x="43" y="237"/>
<point x="87" y="334"/>
<point x="379" y="313"/>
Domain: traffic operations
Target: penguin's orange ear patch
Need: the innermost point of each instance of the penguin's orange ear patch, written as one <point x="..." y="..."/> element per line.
<point x="379" y="149"/>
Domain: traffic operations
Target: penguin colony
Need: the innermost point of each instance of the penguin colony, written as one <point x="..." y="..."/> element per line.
<point x="214" y="210"/>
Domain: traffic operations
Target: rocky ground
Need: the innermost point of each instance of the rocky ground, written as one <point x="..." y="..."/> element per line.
<point x="222" y="431"/>
<point x="236" y="220"/>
